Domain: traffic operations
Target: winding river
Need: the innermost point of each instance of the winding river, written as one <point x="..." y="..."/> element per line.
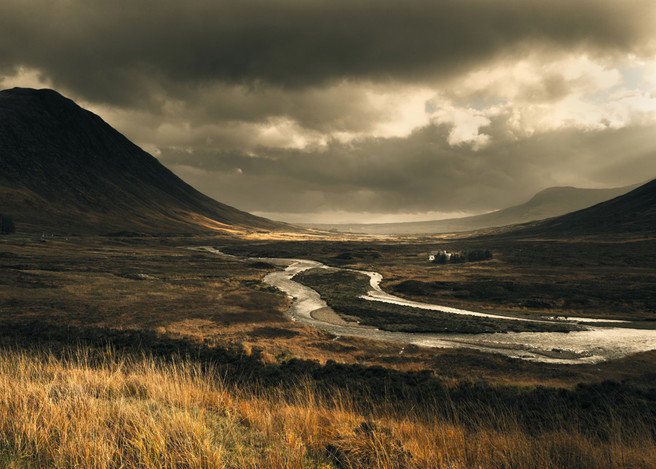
<point x="594" y="344"/>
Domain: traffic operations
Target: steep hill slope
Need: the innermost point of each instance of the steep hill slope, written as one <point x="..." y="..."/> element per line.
<point x="631" y="213"/>
<point x="548" y="203"/>
<point x="64" y="169"/>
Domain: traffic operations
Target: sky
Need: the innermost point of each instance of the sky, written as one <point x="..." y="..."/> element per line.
<point x="358" y="110"/>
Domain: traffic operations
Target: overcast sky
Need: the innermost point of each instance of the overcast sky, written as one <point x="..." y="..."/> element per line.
<point x="358" y="110"/>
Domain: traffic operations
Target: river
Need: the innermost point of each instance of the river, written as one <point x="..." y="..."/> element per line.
<point x="594" y="344"/>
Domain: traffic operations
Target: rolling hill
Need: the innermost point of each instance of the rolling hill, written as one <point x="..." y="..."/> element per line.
<point x="548" y="203"/>
<point x="631" y="213"/>
<point x="63" y="169"/>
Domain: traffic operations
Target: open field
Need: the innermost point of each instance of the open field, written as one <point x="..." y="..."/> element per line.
<point x="152" y="284"/>
<point x="342" y="290"/>
<point x="123" y="406"/>
<point x="612" y="279"/>
<point x="182" y="357"/>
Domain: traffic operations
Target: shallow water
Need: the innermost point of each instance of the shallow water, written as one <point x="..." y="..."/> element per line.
<point x="594" y="344"/>
<point x="377" y="294"/>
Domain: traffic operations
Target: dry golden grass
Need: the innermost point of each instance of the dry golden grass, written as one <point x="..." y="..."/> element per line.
<point x="119" y="413"/>
<point x="91" y="408"/>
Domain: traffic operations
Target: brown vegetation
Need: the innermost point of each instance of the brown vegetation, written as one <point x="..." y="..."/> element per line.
<point x="101" y="408"/>
<point x="186" y="360"/>
<point x="342" y="291"/>
<point x="612" y="279"/>
<point x="151" y="284"/>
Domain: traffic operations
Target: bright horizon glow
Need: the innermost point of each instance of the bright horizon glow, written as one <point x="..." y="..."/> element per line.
<point x="342" y="217"/>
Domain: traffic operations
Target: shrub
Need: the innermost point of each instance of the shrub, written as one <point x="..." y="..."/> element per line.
<point x="475" y="255"/>
<point x="6" y="225"/>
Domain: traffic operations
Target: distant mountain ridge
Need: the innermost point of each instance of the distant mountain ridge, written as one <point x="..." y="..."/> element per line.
<point x="633" y="213"/>
<point x="63" y="169"/>
<point x="547" y="203"/>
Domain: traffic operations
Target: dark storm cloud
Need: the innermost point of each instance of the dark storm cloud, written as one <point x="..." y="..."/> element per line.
<point x="127" y="52"/>
<point x="338" y="107"/>
<point x="224" y="88"/>
<point x="420" y="173"/>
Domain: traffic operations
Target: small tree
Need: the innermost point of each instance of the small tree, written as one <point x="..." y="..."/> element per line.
<point x="457" y="258"/>
<point x="475" y="255"/>
<point x="440" y="258"/>
<point x="6" y="225"/>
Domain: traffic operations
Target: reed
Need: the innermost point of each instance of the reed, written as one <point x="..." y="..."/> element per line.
<point x="98" y="408"/>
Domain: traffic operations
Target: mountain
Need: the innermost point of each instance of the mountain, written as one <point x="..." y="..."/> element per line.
<point x="631" y="213"/>
<point x="63" y="169"/>
<point x="548" y="203"/>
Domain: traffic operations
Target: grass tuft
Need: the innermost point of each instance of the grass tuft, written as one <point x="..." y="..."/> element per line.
<point x="105" y="409"/>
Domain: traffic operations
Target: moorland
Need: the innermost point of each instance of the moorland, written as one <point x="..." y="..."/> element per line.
<point x="120" y="347"/>
<point x="130" y="350"/>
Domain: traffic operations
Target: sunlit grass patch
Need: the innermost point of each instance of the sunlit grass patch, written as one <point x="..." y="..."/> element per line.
<point x="86" y="407"/>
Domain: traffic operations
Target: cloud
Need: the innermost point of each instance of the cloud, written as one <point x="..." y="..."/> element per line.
<point x="370" y="106"/>
<point x="20" y="76"/>
<point x="537" y="78"/>
<point x="122" y="52"/>
<point x="421" y="173"/>
<point x="466" y="124"/>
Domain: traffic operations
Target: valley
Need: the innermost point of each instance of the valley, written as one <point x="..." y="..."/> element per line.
<point x="158" y="285"/>
<point x="143" y="324"/>
<point x="153" y="311"/>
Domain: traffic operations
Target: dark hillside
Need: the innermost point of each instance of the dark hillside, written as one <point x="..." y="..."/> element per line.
<point x="631" y="213"/>
<point x="64" y="169"/>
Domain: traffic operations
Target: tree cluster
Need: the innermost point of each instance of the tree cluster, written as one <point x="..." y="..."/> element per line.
<point x="6" y="225"/>
<point x="475" y="255"/>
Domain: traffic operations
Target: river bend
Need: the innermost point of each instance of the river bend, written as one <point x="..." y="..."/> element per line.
<point x="594" y="344"/>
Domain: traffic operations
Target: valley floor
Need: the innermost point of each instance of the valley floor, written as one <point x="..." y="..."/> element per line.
<point x="188" y="359"/>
